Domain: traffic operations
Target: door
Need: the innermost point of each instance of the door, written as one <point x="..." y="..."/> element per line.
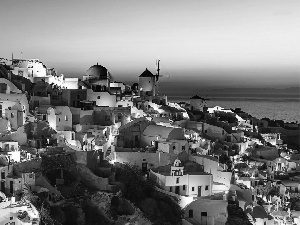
<point x="136" y="141"/>
<point x="177" y="190"/>
<point x="190" y="213"/>
<point x="203" y="218"/>
<point x="38" y="144"/>
<point x="11" y="187"/>
<point x="144" y="167"/>
<point x="199" y="191"/>
<point x="3" y="186"/>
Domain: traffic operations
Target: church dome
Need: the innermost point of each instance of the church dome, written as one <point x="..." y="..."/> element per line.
<point x="98" y="71"/>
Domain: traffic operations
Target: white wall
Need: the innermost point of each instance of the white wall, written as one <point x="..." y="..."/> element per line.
<point x="71" y="83"/>
<point x="101" y="98"/>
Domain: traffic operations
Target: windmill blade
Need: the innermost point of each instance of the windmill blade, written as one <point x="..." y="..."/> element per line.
<point x="167" y="76"/>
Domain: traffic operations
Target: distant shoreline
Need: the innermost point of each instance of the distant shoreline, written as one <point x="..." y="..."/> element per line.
<point x="235" y="98"/>
<point x="286" y="109"/>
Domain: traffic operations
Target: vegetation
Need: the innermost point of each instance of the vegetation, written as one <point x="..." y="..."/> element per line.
<point x="236" y="216"/>
<point x="54" y="162"/>
<point x="137" y="187"/>
<point x="159" y="208"/>
<point x="44" y="210"/>
<point x="224" y="159"/>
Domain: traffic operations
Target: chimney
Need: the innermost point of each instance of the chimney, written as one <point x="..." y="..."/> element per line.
<point x="13" y="200"/>
<point x="23" y="87"/>
<point x="9" y="75"/>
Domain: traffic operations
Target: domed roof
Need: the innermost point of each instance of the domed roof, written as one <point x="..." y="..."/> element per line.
<point x="98" y="71"/>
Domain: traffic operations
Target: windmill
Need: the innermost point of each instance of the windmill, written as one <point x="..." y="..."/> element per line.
<point x="203" y="99"/>
<point x="158" y="75"/>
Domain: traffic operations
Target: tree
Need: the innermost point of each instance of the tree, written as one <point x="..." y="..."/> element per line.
<point x="53" y="162"/>
<point x="137" y="187"/>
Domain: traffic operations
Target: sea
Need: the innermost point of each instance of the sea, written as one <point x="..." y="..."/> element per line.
<point x="286" y="109"/>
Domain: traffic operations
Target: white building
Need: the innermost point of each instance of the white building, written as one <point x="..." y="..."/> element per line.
<point x="188" y="179"/>
<point x="15" y="108"/>
<point x="58" y="117"/>
<point x="207" y="211"/>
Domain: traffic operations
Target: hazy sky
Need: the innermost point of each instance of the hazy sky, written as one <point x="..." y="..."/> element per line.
<point x="215" y="43"/>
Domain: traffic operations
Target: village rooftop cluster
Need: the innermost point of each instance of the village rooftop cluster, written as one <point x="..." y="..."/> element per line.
<point x="210" y="159"/>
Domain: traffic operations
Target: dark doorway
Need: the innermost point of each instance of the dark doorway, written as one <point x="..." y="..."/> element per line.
<point x="204" y="218"/>
<point x="11" y="187"/>
<point x="144" y="167"/>
<point x="136" y="142"/>
<point x="190" y="213"/>
<point x="38" y="144"/>
<point x="177" y="190"/>
<point x="199" y="191"/>
<point x="3" y="186"/>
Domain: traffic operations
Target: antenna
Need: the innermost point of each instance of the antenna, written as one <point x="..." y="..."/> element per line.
<point x="157" y="69"/>
<point x="157" y="75"/>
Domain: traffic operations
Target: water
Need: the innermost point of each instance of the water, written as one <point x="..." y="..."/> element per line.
<point x="287" y="110"/>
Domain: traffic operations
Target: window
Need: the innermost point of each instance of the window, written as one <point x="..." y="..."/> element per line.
<point x="12" y="115"/>
<point x="11" y="218"/>
<point x="177" y="180"/>
<point x="66" y="118"/>
<point x="174" y="147"/>
<point x="205" y="131"/>
<point x="98" y="97"/>
<point x="58" y="119"/>
<point x="183" y="187"/>
<point x="170" y="189"/>
<point x="193" y="189"/>
<point x="206" y="188"/>
<point x="183" y="148"/>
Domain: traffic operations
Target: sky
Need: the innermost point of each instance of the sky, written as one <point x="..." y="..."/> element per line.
<point x="207" y="43"/>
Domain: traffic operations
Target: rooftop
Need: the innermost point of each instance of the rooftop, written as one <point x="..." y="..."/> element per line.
<point x="147" y="73"/>
<point x="190" y="168"/>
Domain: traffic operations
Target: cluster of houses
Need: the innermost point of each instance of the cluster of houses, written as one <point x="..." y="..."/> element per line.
<point x="205" y="157"/>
